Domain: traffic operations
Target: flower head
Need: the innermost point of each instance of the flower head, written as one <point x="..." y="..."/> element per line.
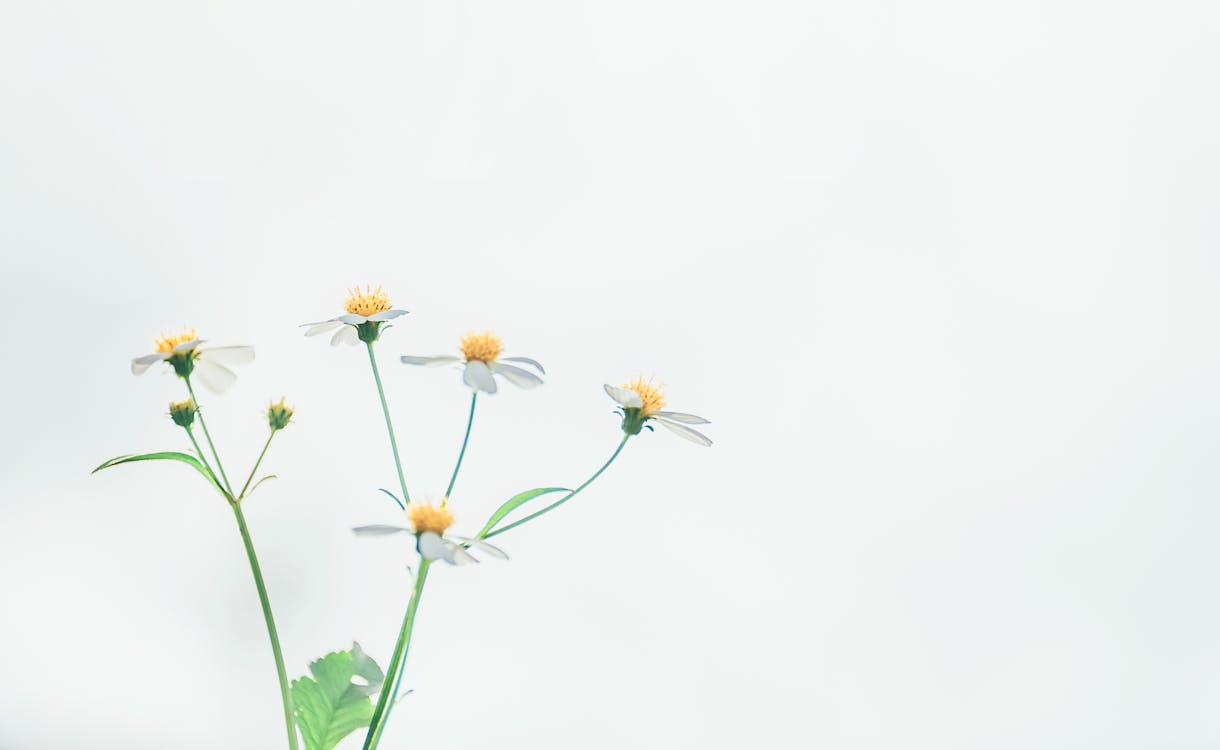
<point x="279" y="414"/>
<point x="481" y="360"/>
<point x="369" y="302"/>
<point x="366" y="311"/>
<point x="641" y="402"/>
<point x="183" y="412"/>
<point x="428" y="524"/>
<point x="426" y="517"/>
<point x="183" y="353"/>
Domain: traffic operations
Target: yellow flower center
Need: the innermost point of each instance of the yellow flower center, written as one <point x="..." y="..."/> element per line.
<point x="368" y="302"/>
<point x="187" y="405"/>
<point x="484" y="347"/>
<point x="651" y="395"/>
<point x="167" y="342"/>
<point x="428" y="517"/>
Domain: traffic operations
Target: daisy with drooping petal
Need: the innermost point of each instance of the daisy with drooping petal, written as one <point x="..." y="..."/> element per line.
<point x="641" y="402"/>
<point x="183" y="353"/>
<point x="366" y="311"/>
<point x="481" y="360"/>
<point x="428" y="524"/>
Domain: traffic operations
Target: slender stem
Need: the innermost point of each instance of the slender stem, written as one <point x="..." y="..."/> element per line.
<point x="566" y="497"/>
<point x="474" y="397"/>
<point x="289" y="722"/>
<point x="191" y="434"/>
<point x="389" y="426"/>
<point x="246" y="486"/>
<point x="208" y="435"/>
<point x="389" y="692"/>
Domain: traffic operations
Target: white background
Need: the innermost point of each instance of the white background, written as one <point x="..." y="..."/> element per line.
<point x="944" y="276"/>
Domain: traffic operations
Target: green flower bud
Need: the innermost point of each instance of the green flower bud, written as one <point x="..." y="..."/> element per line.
<point x="183" y="412"/>
<point x="279" y="415"/>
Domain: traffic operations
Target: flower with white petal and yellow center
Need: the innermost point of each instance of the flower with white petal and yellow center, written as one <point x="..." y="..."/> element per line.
<point x="183" y="353"/>
<point x="481" y="360"/>
<point x="642" y="401"/>
<point x="366" y="311"/>
<point x="429" y="523"/>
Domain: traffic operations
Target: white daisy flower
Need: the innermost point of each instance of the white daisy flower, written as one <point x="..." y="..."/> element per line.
<point x="428" y="524"/>
<point x="642" y="402"/>
<point x="481" y="360"/>
<point x="366" y="311"/>
<point x="182" y="351"/>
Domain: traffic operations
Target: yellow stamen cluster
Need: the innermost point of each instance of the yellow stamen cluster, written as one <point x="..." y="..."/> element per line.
<point x="368" y="302"/>
<point x="168" y="341"/>
<point x="484" y="347"/>
<point x="428" y="517"/>
<point x="651" y="395"/>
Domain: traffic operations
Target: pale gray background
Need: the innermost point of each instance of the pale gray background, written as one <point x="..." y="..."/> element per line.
<point x="944" y="275"/>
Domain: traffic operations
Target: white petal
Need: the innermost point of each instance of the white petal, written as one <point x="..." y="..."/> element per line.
<point x="408" y="359"/>
<point x="387" y="315"/>
<point x="229" y="355"/>
<point x="483" y="546"/>
<point x="186" y="346"/>
<point x="478" y="377"/>
<point x="686" y="432"/>
<point x="526" y="360"/>
<point x="677" y="416"/>
<point x="458" y="554"/>
<point x="140" y="364"/>
<point x="378" y="529"/>
<point x="214" y="375"/>
<point x="352" y="319"/>
<point x="515" y="375"/>
<point x="345" y="335"/>
<point x="323" y="327"/>
<point x="625" y="397"/>
<point x="433" y="548"/>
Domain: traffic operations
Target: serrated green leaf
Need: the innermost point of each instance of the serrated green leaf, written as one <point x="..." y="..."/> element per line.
<point x="513" y="502"/>
<point x="165" y="456"/>
<point x="330" y="706"/>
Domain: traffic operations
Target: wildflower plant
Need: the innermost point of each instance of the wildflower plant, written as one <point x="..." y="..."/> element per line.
<point x="346" y="691"/>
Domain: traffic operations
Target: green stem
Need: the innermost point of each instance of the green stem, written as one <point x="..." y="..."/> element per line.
<point x="191" y="434"/>
<point x="289" y="722"/>
<point x="389" y="426"/>
<point x="266" y="445"/>
<point x="566" y="497"/>
<point x="208" y="435"/>
<point x="474" y="397"/>
<point x="389" y="693"/>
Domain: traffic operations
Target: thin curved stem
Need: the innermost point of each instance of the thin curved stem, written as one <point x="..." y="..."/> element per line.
<point x="389" y="693"/>
<point x="202" y="457"/>
<point x="474" y="397"/>
<point x="389" y="426"/>
<point x="285" y="693"/>
<point x="208" y="435"/>
<point x="262" y="453"/>
<point x="566" y="497"/>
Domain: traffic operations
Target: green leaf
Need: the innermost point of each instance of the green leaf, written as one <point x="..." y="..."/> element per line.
<point x="513" y="502"/>
<point x="165" y="456"/>
<point x="330" y="706"/>
<point x="250" y="491"/>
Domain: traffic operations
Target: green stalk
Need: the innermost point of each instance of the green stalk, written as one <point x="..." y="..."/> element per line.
<point x="385" y="702"/>
<point x="389" y="426"/>
<point x="474" y="397"/>
<point x="566" y="497"/>
<point x="266" y="445"/>
<point x="208" y="435"/>
<point x="285" y="694"/>
<point x="191" y="434"/>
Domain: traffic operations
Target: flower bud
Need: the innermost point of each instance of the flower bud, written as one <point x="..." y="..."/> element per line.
<point x="279" y="415"/>
<point x="183" y="412"/>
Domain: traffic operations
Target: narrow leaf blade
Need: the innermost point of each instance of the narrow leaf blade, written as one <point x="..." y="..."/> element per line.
<point x="164" y="456"/>
<point x="513" y="503"/>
